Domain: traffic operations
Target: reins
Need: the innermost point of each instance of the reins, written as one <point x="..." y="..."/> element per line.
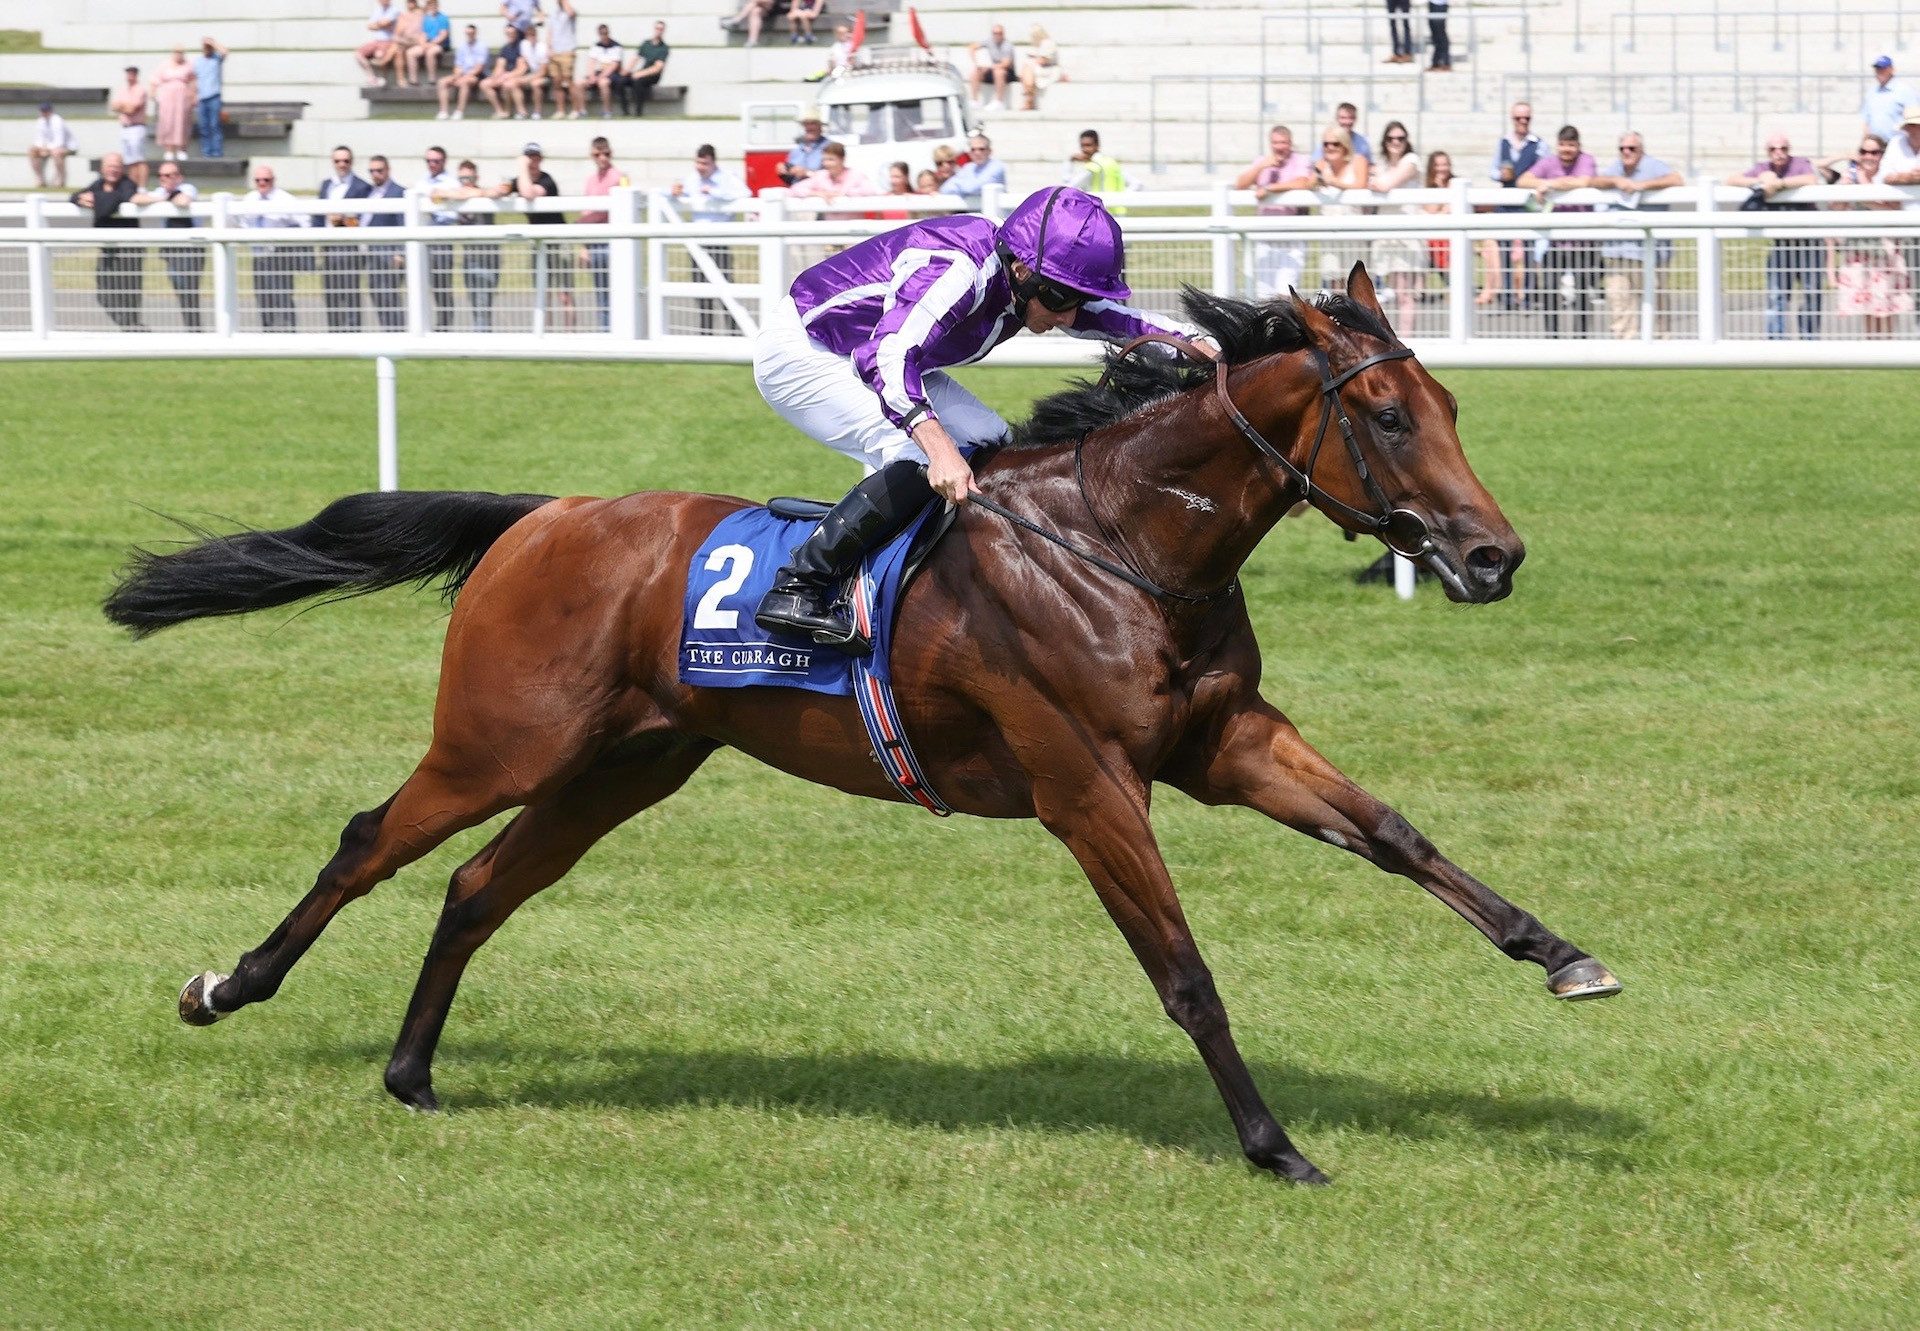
<point x="1387" y="523"/>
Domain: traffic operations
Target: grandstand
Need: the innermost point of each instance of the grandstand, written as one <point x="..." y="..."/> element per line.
<point x="1179" y="93"/>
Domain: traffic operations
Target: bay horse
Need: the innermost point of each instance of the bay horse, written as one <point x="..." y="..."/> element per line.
<point x="1033" y="682"/>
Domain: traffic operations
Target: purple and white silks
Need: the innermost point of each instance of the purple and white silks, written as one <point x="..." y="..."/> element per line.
<point x="928" y="296"/>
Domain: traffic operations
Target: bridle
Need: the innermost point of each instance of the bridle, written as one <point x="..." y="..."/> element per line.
<point x="1401" y="530"/>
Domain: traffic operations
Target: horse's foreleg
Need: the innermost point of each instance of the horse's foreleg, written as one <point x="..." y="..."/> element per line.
<point x="436" y="802"/>
<point x="532" y="853"/>
<point x="1256" y="758"/>
<point x="1103" y="820"/>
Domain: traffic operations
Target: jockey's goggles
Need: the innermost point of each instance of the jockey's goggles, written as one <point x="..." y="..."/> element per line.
<point x="1052" y="295"/>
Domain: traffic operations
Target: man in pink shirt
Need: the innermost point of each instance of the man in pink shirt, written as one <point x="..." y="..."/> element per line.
<point x="600" y="183"/>
<point x="1277" y="262"/>
<point x="1573" y="266"/>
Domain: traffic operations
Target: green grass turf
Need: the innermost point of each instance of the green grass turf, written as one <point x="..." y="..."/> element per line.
<point x="774" y="1057"/>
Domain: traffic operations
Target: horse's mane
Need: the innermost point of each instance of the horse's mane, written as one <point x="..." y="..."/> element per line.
<point x="1246" y="330"/>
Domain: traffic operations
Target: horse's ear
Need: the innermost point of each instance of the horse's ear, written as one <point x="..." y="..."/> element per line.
<point x="1360" y="288"/>
<point x="1319" y="325"/>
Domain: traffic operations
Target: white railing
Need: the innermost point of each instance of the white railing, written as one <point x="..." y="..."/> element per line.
<point x="1704" y="278"/>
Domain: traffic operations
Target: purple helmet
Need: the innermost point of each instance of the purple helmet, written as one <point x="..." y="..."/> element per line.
<point x="1070" y="240"/>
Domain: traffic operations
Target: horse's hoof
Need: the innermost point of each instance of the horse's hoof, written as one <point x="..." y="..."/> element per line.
<point x="415" y="1092"/>
<point x="1581" y="979"/>
<point x="196" y="999"/>
<point x="1299" y="1169"/>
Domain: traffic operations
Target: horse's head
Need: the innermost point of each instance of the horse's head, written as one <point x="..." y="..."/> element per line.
<point x="1403" y="424"/>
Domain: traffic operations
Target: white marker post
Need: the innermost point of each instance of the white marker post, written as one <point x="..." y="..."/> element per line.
<point x="1403" y="571"/>
<point x="389" y="425"/>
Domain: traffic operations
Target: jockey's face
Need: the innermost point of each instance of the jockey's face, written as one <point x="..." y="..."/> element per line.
<point x="1036" y="317"/>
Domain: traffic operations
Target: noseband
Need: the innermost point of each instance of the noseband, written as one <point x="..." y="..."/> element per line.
<point x="1401" y="530"/>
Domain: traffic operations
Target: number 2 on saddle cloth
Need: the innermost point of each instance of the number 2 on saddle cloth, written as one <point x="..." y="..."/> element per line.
<point x="722" y="648"/>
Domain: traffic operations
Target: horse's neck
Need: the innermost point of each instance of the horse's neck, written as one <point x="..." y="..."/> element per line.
<point x="1181" y="487"/>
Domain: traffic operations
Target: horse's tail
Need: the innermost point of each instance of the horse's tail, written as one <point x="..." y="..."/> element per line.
<point x="362" y="543"/>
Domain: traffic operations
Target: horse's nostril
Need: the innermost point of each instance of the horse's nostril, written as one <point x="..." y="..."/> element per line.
<point x="1487" y="561"/>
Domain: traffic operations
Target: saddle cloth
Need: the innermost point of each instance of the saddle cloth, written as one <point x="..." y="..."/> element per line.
<point x="722" y="648"/>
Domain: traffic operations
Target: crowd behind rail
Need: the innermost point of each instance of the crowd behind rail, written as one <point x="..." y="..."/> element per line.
<point x="1569" y="285"/>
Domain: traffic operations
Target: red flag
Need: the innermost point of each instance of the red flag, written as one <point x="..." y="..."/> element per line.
<point x="859" y="31"/>
<point x="919" y="33"/>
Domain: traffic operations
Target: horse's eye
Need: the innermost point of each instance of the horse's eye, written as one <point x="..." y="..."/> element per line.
<point x="1391" y="421"/>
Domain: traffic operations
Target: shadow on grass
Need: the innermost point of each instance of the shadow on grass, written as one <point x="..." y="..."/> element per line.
<point x="1157" y="1103"/>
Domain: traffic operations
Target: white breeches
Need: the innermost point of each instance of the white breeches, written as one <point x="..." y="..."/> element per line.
<point x="821" y="395"/>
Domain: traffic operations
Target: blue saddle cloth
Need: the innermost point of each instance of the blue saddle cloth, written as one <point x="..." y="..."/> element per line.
<point x="720" y="645"/>
<point x="722" y="648"/>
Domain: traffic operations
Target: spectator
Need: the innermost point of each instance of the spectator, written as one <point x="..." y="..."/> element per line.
<point x="1439" y="249"/>
<point x="752" y="16"/>
<point x="509" y="76"/>
<point x="1041" y="69"/>
<point x="926" y="183"/>
<point x="1442" y="49"/>
<point x="534" y="85"/>
<point x="806" y="155"/>
<point x="1792" y="260"/>
<point x="409" y="36"/>
<point x="706" y="196"/>
<point x="1900" y="165"/>
<point x="376" y="52"/>
<point x="1397" y="258"/>
<point x="834" y="180"/>
<point x="1633" y="173"/>
<point x="1338" y="165"/>
<point x="601" y="182"/>
<point x="970" y="181"/>
<point x="117" y="269"/>
<point x="1337" y="168"/>
<point x="945" y="163"/>
<point x="1345" y="117"/>
<point x="174" y="96"/>
<point x="993" y="59"/>
<point x="801" y="15"/>
<point x="53" y="142"/>
<point x="436" y="40"/>
<point x="842" y="55"/>
<point x="469" y="67"/>
<point x="169" y="205"/>
<point x="341" y="265"/>
<point x="386" y="264"/>
<point x="479" y="263"/>
<point x="1278" y="260"/>
<point x="531" y="183"/>
<point x="606" y="57"/>
<point x="1868" y="274"/>
<point x="644" y="70"/>
<point x="563" y="41"/>
<point x="1566" y="168"/>
<point x="273" y="265"/>
<point x="1094" y="171"/>
<point x="209" y="71"/>
<point x="129" y="105"/>
<point x="1513" y="157"/>
<point x="899" y="178"/>
<point x="1400" y="31"/>
<point x="522" y="14"/>
<point x="438" y="185"/>
<point x="1886" y="102"/>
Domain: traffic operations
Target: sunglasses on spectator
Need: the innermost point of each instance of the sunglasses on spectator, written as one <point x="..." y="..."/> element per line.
<point x="1396" y="138"/>
<point x="1529" y="119"/>
<point x="1629" y="147"/>
<point x="1870" y="152"/>
<point x="1333" y="143"/>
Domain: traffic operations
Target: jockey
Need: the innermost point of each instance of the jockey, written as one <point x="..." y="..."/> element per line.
<point x="856" y="357"/>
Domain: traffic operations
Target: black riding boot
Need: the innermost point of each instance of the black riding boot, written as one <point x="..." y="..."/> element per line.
<point x="802" y="598"/>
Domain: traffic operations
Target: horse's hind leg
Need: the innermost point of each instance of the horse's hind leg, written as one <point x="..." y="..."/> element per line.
<point x="1255" y="757"/>
<point x="542" y="842"/>
<point x="440" y="799"/>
